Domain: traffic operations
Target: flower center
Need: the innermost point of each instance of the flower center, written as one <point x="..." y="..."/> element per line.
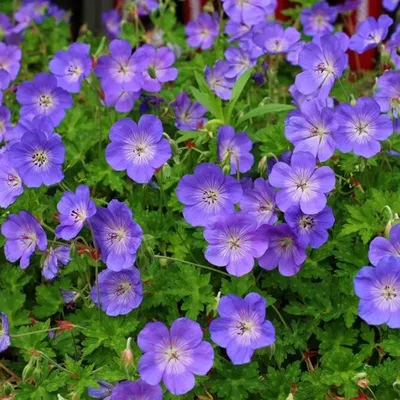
<point x="277" y="45"/>
<point x="152" y="72"/>
<point x="123" y="69"/>
<point x="285" y="243"/>
<point x="362" y="129"/>
<point x="172" y="354"/>
<point x="325" y="68"/>
<point x="118" y="234"/>
<point x="140" y="149"/>
<point x="74" y="70"/>
<point x="78" y="215"/>
<point x="319" y="20"/>
<point x="374" y="37"/>
<point x="389" y="293"/>
<point x="234" y="242"/>
<point x="265" y="207"/>
<point x="28" y="238"/>
<point x="45" y="101"/>
<point x="243" y="328"/>
<point x="210" y="196"/>
<point x="318" y="131"/>
<point x="123" y="288"/>
<point x="306" y="222"/>
<point x="302" y="184"/>
<point x="40" y="158"/>
<point x="13" y="180"/>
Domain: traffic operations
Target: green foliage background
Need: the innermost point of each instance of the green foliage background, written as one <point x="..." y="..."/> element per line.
<point x="322" y="350"/>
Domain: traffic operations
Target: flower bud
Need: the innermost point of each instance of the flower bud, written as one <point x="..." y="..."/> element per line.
<point x="290" y="397"/>
<point x="28" y="369"/>
<point x="262" y="165"/>
<point x="127" y="355"/>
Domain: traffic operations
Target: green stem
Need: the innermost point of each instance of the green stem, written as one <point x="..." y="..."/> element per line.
<point x="172" y="218"/>
<point x="280" y="316"/>
<point x="344" y="90"/>
<point x="194" y="264"/>
<point x="48" y="227"/>
<point x="55" y="363"/>
<point x="372" y="393"/>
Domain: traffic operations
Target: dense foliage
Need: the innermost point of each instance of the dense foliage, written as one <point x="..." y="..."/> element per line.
<point x="56" y="342"/>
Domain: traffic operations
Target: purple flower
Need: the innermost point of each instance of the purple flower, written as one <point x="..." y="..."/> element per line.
<point x="159" y="69"/>
<point x="302" y="183"/>
<point x="145" y="7"/>
<point x="136" y="391"/>
<point x="259" y="202"/>
<point x="202" y="31"/>
<point x="348" y="5"/>
<point x="207" y="194"/>
<point x="58" y="13"/>
<point x="10" y="182"/>
<point x="42" y="96"/>
<point x="285" y="157"/>
<point x="5" y="122"/>
<point x="217" y="80"/>
<point x="246" y="11"/>
<point x="5" y="340"/>
<point x="5" y="26"/>
<point x="112" y="21"/>
<point x="284" y="250"/>
<point x="116" y="96"/>
<point x="72" y="67"/>
<point x="10" y="58"/>
<point x="242" y="328"/>
<point x="174" y="356"/>
<point x="274" y="39"/>
<point x="234" y="243"/>
<point x="68" y="295"/>
<point x="318" y="19"/>
<point x="311" y="129"/>
<point x="54" y="258"/>
<point x="119" y="291"/>
<point x="236" y="30"/>
<point x="362" y="127"/>
<point x="390" y="5"/>
<point x="381" y="247"/>
<point x="393" y="46"/>
<point x="321" y="66"/>
<point x="188" y="115"/>
<point x="117" y="235"/>
<point x="102" y="392"/>
<point x="235" y="148"/>
<point x="138" y="148"/>
<point x="310" y="229"/>
<point x="379" y="291"/>
<point x="370" y="33"/>
<point x="121" y="68"/>
<point x="241" y="58"/>
<point x="294" y="51"/>
<point x="24" y="234"/>
<point x="341" y="36"/>
<point x="388" y="93"/>
<point x="39" y="156"/>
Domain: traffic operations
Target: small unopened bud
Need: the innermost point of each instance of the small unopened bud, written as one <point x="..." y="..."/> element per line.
<point x="28" y="369"/>
<point x="226" y="169"/>
<point x="262" y="165"/>
<point x="37" y="373"/>
<point x="127" y="355"/>
<point x="59" y="397"/>
<point x="388" y="228"/>
<point x="363" y="383"/>
<point x="290" y="397"/>
<point x="7" y="389"/>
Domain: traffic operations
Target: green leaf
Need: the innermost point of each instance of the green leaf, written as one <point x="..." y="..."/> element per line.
<point x="209" y="101"/>
<point x="236" y="92"/>
<point x="265" y="109"/>
<point x="49" y="301"/>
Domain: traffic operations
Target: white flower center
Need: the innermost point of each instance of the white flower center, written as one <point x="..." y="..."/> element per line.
<point x="172" y="353"/>
<point x="234" y="242"/>
<point x="124" y="287"/>
<point x="40" y="158"/>
<point x="13" y="181"/>
<point x="74" y="70"/>
<point x="211" y="196"/>
<point x="244" y="327"/>
<point x="306" y="222"/>
<point x="78" y="215"/>
<point x="389" y="292"/>
<point x="45" y="101"/>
